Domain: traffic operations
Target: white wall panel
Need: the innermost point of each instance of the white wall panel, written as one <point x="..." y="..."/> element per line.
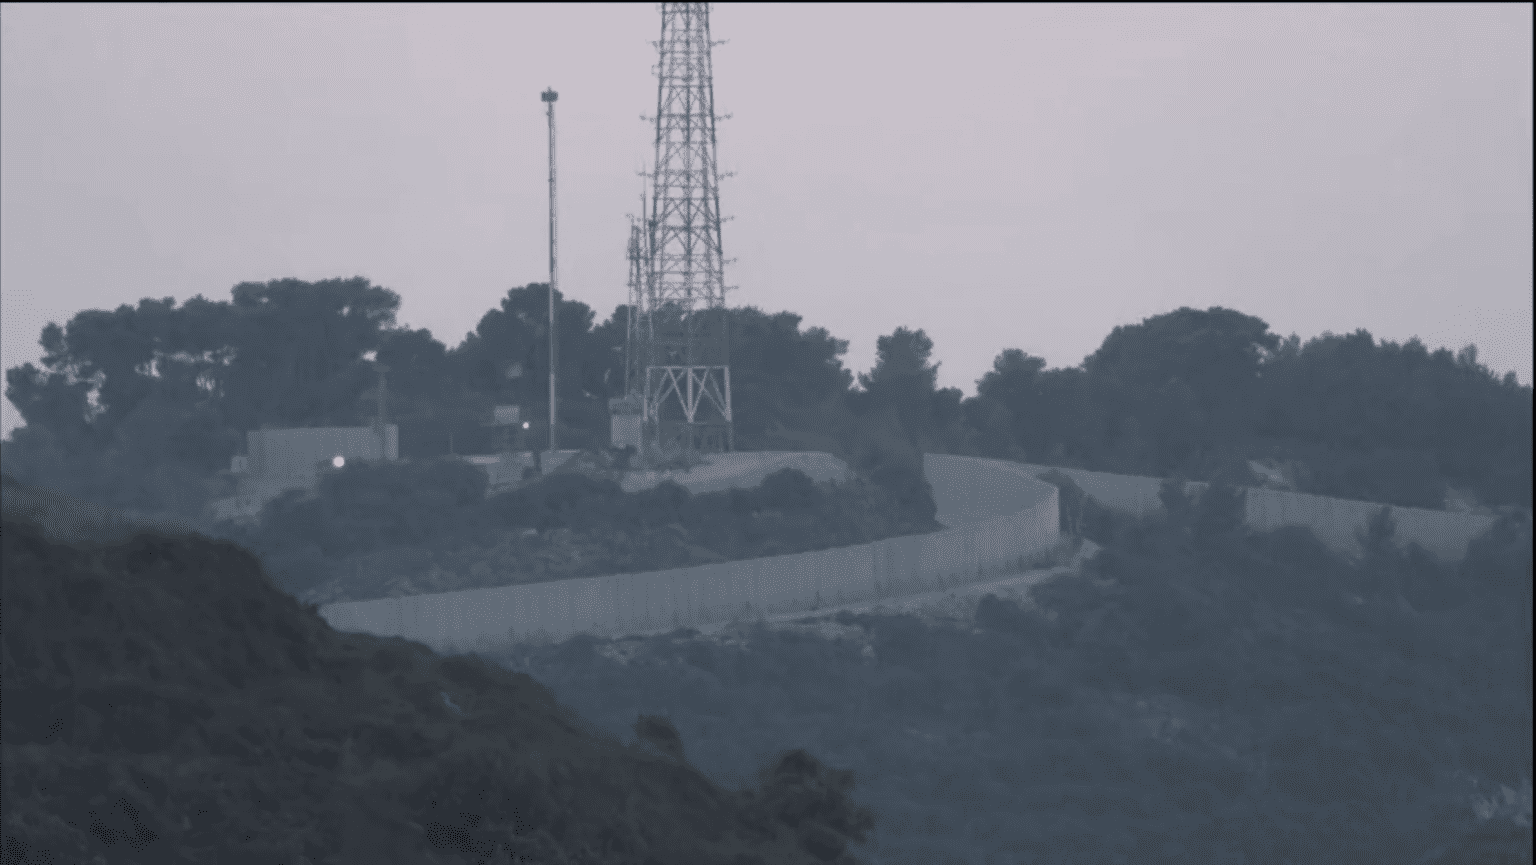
<point x="1012" y="519"/>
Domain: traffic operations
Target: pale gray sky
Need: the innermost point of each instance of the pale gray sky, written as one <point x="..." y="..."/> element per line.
<point x="1002" y="176"/>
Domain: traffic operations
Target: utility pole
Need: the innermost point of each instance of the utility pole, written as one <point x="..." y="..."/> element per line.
<point x="549" y="96"/>
<point x="381" y="425"/>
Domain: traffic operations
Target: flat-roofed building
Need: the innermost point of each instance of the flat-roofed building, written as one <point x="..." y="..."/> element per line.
<point x="277" y="460"/>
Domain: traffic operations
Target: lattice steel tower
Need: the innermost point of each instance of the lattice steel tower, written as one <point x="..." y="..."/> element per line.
<point x="681" y="346"/>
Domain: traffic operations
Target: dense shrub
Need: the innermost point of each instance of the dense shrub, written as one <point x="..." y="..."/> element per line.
<point x="407" y="528"/>
<point x="1198" y="694"/>
<point x="1081" y="516"/>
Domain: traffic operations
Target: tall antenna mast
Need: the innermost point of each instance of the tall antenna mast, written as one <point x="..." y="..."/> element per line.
<point x="627" y="412"/>
<point x="633" y="382"/>
<point x="683" y="361"/>
<point x="549" y="96"/>
<point x="383" y="420"/>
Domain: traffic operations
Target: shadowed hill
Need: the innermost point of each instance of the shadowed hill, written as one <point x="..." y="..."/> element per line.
<point x="164" y="703"/>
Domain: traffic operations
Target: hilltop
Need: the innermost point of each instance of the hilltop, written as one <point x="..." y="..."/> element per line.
<point x="422" y="527"/>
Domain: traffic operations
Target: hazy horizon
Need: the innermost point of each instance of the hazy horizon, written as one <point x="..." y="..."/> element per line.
<point x="1001" y="176"/>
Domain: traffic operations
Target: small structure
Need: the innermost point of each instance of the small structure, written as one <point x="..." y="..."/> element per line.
<point x="625" y="421"/>
<point x="296" y="454"/>
<point x="278" y="460"/>
<point x="506" y="424"/>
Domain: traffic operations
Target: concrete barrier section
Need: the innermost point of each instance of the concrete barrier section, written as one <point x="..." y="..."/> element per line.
<point x="1445" y="534"/>
<point x="998" y="517"/>
<point x="970" y="491"/>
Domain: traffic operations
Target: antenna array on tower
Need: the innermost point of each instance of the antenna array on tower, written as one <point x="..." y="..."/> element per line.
<point x="677" y="365"/>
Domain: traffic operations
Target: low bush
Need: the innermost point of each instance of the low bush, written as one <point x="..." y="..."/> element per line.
<point x="408" y="528"/>
<point x="1198" y="693"/>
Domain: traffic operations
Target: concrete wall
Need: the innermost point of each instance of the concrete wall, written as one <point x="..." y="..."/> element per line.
<point x="1446" y="534"/>
<point x="1014" y="520"/>
<point x="1334" y="521"/>
<point x="624" y="430"/>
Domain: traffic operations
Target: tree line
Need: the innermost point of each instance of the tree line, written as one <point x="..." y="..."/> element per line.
<point x="142" y="406"/>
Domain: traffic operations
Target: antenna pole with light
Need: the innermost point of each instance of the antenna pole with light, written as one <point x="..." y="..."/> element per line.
<point x="549" y="96"/>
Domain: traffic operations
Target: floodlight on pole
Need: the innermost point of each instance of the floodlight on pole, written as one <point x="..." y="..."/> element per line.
<point x="549" y="96"/>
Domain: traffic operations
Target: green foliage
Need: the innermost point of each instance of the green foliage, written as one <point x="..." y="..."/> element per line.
<point x="902" y="386"/>
<point x="873" y="447"/>
<point x="1192" y="696"/>
<point x="296" y="350"/>
<point x="403" y="528"/>
<point x="1215" y="513"/>
<point x="1216" y="353"/>
<point x="1198" y="394"/>
<point x="1081" y="515"/>
<point x="505" y="360"/>
<point x="157" y="388"/>
<point x="1222" y="512"/>
<point x="362" y="507"/>
<point x="1187" y="380"/>
<point x="506" y="357"/>
<point x="1177" y="504"/>
<point x="1402" y="420"/>
<point x="781" y="376"/>
<point x="1013" y="383"/>
<point x="119" y="476"/>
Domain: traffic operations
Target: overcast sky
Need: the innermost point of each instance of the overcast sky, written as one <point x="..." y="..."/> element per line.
<point x="1001" y="176"/>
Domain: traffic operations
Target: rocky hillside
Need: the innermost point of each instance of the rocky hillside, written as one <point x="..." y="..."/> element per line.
<point x="165" y="703"/>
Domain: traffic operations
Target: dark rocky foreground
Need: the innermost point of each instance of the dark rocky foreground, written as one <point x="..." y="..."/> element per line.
<point x="165" y="703"/>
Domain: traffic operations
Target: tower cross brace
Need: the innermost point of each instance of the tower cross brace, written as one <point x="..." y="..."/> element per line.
<point x="678" y="364"/>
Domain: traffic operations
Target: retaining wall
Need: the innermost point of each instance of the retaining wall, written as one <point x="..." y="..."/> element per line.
<point x="1334" y="521"/>
<point x="1014" y="519"/>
